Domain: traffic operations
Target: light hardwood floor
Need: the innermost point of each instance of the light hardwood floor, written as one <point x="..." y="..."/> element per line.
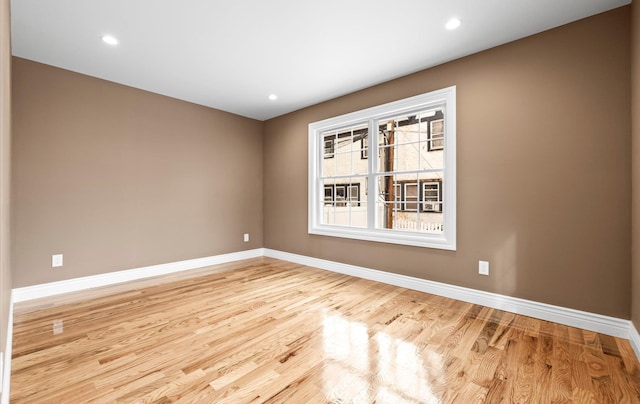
<point x="266" y="330"/>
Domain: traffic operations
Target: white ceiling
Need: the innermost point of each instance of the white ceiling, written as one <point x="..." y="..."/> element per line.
<point x="231" y="54"/>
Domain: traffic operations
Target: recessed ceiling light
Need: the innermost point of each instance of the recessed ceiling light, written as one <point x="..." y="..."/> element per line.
<point x="452" y="24"/>
<point x="273" y="97"/>
<point x="110" y="39"/>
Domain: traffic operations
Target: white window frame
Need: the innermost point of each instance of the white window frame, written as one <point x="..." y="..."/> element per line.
<point x="445" y="98"/>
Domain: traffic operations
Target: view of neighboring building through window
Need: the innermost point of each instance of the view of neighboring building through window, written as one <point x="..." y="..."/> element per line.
<point x="406" y="194"/>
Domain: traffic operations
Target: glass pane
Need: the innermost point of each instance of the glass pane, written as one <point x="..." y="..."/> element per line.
<point x="413" y="142"/>
<point x="345" y="202"/>
<point x="389" y="200"/>
<point x="328" y="192"/>
<point x="328" y="142"/>
<point x="343" y="163"/>
<point x="386" y="158"/>
<point x="430" y="159"/>
<point x="359" y="215"/>
<point x="410" y="196"/>
<point x="328" y="167"/>
<point x="364" y="146"/>
<point x="411" y="202"/>
<point x="361" y="155"/>
<point x="406" y="129"/>
<point x="426" y="117"/>
<point x="407" y="157"/>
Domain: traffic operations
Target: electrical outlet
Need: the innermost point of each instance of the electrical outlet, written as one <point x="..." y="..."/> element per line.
<point x="483" y="267"/>
<point x="1" y="370"/>
<point x="246" y="237"/>
<point x="56" y="260"/>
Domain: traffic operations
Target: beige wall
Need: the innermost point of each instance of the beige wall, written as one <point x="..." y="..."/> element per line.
<point x="635" y="152"/>
<point x="117" y="178"/>
<point x="543" y="170"/>
<point x="5" y="153"/>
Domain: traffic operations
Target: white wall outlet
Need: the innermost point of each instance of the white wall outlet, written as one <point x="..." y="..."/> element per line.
<point x="483" y="267"/>
<point x="1" y="369"/>
<point x="56" y="260"/>
<point x="246" y="237"/>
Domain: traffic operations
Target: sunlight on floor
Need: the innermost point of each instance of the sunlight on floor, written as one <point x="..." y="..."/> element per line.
<point x="399" y="373"/>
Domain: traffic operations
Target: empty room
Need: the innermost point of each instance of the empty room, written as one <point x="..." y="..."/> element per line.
<point x="319" y="202"/>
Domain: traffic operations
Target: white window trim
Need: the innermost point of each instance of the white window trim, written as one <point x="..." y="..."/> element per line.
<point x="446" y="240"/>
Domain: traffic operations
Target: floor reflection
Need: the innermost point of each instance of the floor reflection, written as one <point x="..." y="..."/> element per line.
<point x="360" y="368"/>
<point x="58" y="327"/>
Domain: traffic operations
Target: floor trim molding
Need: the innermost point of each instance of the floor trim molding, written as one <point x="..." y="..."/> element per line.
<point x="112" y="278"/>
<point x="575" y="318"/>
<point x="6" y="372"/>
<point x="634" y="339"/>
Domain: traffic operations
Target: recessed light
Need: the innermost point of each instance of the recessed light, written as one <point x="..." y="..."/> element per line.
<point x="273" y="97"/>
<point x="110" y="39"/>
<point x="453" y="23"/>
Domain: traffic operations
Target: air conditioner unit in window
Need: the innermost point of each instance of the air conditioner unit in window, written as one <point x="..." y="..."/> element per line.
<point x="432" y="206"/>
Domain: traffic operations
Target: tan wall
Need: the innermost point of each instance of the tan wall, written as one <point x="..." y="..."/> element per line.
<point x="5" y="154"/>
<point x="543" y="170"/>
<point x="117" y="178"/>
<point x="635" y="153"/>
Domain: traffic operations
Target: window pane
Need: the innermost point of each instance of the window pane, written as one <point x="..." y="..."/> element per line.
<point x="386" y="159"/>
<point x="328" y="144"/>
<point x="410" y="196"/>
<point x="364" y="146"/>
<point x="359" y="215"/>
<point x="361" y="154"/>
<point x="407" y="157"/>
<point x="389" y="200"/>
<point x="329" y="192"/>
<point x="343" y="164"/>
<point x="406" y="129"/>
<point x="411" y="202"/>
<point x="328" y="167"/>
<point x="345" y="202"/>
<point x="430" y="159"/>
<point x="413" y="142"/>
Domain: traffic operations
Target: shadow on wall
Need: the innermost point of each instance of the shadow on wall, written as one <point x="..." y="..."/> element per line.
<point x="506" y="259"/>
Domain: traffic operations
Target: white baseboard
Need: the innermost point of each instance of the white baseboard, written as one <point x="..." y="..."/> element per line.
<point x="112" y="278"/>
<point x="6" y="372"/>
<point x="634" y="339"/>
<point x="571" y="317"/>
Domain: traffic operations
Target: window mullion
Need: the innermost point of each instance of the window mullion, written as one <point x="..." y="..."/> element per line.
<point x="371" y="178"/>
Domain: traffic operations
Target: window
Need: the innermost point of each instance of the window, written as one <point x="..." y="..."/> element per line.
<point x="431" y="196"/>
<point x="364" y="146"/>
<point x="404" y="193"/>
<point x="436" y="134"/>
<point x="328" y="147"/>
<point x="342" y="195"/>
<point x="408" y="199"/>
<point x="411" y="196"/>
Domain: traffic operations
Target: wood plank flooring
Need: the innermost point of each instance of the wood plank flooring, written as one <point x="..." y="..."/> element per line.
<point x="269" y="331"/>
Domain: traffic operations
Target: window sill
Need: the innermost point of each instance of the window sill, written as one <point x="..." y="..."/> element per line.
<point x="428" y="240"/>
